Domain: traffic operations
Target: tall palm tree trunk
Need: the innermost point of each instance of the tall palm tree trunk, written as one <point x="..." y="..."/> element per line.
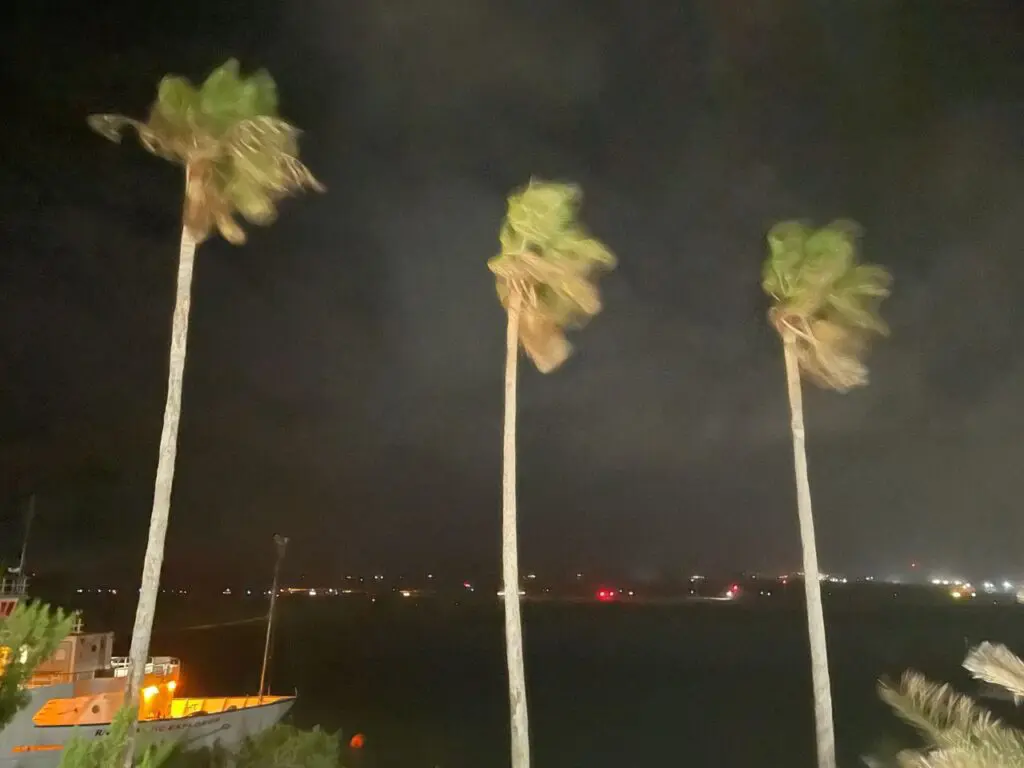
<point x="825" y="728"/>
<point x="510" y="549"/>
<point x="146" y="609"/>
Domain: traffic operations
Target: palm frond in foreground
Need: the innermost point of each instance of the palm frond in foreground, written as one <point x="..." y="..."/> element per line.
<point x="958" y="732"/>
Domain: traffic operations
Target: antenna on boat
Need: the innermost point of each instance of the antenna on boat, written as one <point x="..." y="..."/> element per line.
<point x="31" y="513"/>
<point x="281" y="543"/>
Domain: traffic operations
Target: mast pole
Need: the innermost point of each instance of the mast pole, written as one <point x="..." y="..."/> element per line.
<point x="281" y="544"/>
<point x="28" y="527"/>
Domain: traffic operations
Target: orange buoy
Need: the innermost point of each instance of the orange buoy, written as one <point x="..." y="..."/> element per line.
<point x="357" y="741"/>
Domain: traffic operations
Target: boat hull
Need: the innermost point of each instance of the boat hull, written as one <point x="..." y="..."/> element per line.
<point x="24" y="745"/>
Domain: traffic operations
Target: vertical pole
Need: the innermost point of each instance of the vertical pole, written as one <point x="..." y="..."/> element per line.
<point x="28" y="527"/>
<point x="281" y="542"/>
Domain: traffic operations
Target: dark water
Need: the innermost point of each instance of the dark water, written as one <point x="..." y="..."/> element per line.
<point x="610" y="685"/>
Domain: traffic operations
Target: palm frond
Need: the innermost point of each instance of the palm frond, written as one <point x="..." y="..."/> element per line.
<point x="952" y="758"/>
<point x="946" y="718"/>
<point x="543" y="341"/>
<point x="550" y="262"/>
<point x="824" y="300"/>
<point x="113" y="127"/>
<point x="242" y="158"/>
<point x="785" y="251"/>
<point x="959" y="732"/>
<point x="997" y="665"/>
<point x="830" y="354"/>
<point x="264" y="151"/>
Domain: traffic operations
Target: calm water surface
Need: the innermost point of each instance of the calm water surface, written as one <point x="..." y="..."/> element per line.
<point x="611" y="686"/>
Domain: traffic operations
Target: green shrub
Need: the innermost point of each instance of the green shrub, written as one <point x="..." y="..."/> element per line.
<point x="28" y="637"/>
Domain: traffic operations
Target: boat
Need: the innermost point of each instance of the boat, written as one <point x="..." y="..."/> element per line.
<point x="76" y="692"/>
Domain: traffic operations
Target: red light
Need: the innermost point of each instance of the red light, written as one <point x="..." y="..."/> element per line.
<point x="605" y="595"/>
<point x="734" y="588"/>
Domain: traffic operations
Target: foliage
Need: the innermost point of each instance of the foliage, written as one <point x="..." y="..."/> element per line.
<point x="282" y="746"/>
<point x="29" y="636"/>
<point x="216" y="756"/>
<point x="108" y="750"/>
<point x="285" y="746"/>
<point x="958" y="731"/>
<point x="548" y="262"/>
<point x="824" y="300"/>
<point x="240" y="156"/>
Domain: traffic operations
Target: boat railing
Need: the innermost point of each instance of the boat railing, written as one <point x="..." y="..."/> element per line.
<point x="13" y="585"/>
<point x="158" y="665"/>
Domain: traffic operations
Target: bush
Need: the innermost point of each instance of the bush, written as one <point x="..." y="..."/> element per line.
<point x="285" y="746"/>
<point x="107" y="751"/>
<point x="282" y="746"/>
<point x="28" y="637"/>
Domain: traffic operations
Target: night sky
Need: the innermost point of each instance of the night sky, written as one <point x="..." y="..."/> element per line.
<point x="344" y="378"/>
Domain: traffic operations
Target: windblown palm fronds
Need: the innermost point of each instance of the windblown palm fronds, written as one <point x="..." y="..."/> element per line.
<point x="824" y="300"/>
<point x="958" y="731"/>
<point x="548" y="263"/>
<point x="240" y="156"/>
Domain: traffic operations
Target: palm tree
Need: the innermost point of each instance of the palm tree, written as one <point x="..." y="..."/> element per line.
<point x="960" y="733"/>
<point x="545" y="277"/>
<point x="824" y="307"/>
<point x="240" y="158"/>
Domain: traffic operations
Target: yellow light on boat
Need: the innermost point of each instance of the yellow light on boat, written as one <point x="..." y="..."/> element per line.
<point x="172" y="685"/>
<point x="150" y="691"/>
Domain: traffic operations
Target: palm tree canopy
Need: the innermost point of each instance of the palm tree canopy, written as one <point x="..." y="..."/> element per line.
<point x="960" y="733"/>
<point x="240" y="156"/>
<point x="825" y="298"/>
<point x="551" y="262"/>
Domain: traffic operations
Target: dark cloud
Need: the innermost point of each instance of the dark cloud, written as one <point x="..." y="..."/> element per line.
<point x="344" y="374"/>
